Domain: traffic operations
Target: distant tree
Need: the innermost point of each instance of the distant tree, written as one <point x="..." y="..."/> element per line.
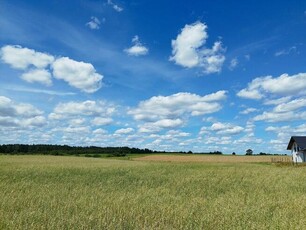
<point x="233" y="153"/>
<point x="249" y="152"/>
<point x="189" y="152"/>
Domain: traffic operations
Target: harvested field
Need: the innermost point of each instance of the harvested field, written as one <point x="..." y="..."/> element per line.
<point x="213" y="158"/>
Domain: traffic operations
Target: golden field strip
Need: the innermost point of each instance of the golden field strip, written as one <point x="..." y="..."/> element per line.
<point x="213" y="158"/>
<point x="61" y="192"/>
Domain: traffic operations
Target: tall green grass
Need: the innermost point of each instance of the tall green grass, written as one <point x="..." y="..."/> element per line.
<point x="45" y="192"/>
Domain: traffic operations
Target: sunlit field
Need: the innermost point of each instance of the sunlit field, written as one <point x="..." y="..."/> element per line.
<point x="57" y="192"/>
<point x="215" y="158"/>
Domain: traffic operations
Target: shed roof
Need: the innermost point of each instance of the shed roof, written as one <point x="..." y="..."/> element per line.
<point x="300" y="140"/>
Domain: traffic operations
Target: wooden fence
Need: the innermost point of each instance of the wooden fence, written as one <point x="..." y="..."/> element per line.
<point x="280" y="159"/>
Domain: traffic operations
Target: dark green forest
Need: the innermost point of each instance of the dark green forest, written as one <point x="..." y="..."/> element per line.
<point x="68" y="150"/>
<point x="89" y="151"/>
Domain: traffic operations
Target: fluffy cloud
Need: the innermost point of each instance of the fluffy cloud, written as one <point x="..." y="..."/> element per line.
<point x="176" y="105"/>
<point x="38" y="75"/>
<point x="137" y="49"/>
<point x="277" y="101"/>
<point x="297" y="130"/>
<point x="102" y="121"/>
<point x="188" y="49"/>
<point x="291" y="106"/>
<point x="99" y="132"/>
<point x="33" y="121"/>
<point x="282" y="85"/>
<point x="284" y="111"/>
<point x="80" y="75"/>
<point x="94" y="23"/>
<point x="124" y="131"/>
<point x="278" y="117"/>
<point x="77" y="114"/>
<point x="76" y="121"/>
<point x="283" y="136"/>
<point x="168" y="112"/>
<point x="226" y="128"/>
<point x="89" y="108"/>
<point x="11" y="109"/>
<point x="19" y="114"/>
<point x="74" y="130"/>
<point x="148" y="127"/>
<point x="170" y="138"/>
<point x="248" y="110"/>
<point x="247" y="140"/>
<point x="154" y="127"/>
<point x="177" y="133"/>
<point x="168" y="123"/>
<point x="22" y="58"/>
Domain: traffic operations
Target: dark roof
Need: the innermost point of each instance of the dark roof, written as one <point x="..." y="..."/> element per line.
<point x="300" y="140"/>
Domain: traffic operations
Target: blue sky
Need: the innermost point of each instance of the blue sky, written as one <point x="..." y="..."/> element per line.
<point x="164" y="75"/>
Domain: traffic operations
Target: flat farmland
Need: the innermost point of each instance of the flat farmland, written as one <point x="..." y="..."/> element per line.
<point x="213" y="158"/>
<point x="58" y="192"/>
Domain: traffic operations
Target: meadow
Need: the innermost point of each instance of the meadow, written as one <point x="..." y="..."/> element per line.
<point x="64" y="192"/>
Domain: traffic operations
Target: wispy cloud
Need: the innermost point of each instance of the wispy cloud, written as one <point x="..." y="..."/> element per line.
<point x="94" y="23"/>
<point x="284" y="52"/>
<point x="233" y="64"/>
<point x="115" y="6"/>
<point x="33" y="90"/>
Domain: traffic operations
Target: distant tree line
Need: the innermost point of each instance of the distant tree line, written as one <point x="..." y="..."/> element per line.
<point x="90" y="151"/>
<point x="214" y="152"/>
<point x="68" y="150"/>
<point x="250" y="152"/>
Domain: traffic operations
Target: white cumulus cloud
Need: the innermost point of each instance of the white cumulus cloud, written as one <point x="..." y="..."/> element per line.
<point x="80" y="75"/>
<point x="291" y="106"/>
<point x="176" y="105"/>
<point x="89" y="108"/>
<point x="188" y="49"/>
<point x="102" y="121"/>
<point x="37" y="66"/>
<point x="124" y="131"/>
<point x="273" y="116"/>
<point x="282" y="85"/>
<point x="226" y="128"/>
<point x="19" y="114"/>
<point x="248" y="110"/>
<point x="22" y="58"/>
<point x="137" y="49"/>
<point x="38" y="75"/>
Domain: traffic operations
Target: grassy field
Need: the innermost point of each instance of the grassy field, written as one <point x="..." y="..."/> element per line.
<point x="214" y="158"/>
<point x="53" y="192"/>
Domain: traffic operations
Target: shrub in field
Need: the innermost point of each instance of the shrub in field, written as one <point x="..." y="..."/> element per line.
<point x="119" y="154"/>
<point x="249" y="152"/>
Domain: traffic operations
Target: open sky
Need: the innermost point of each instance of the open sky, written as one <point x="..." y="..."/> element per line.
<point x="164" y="75"/>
